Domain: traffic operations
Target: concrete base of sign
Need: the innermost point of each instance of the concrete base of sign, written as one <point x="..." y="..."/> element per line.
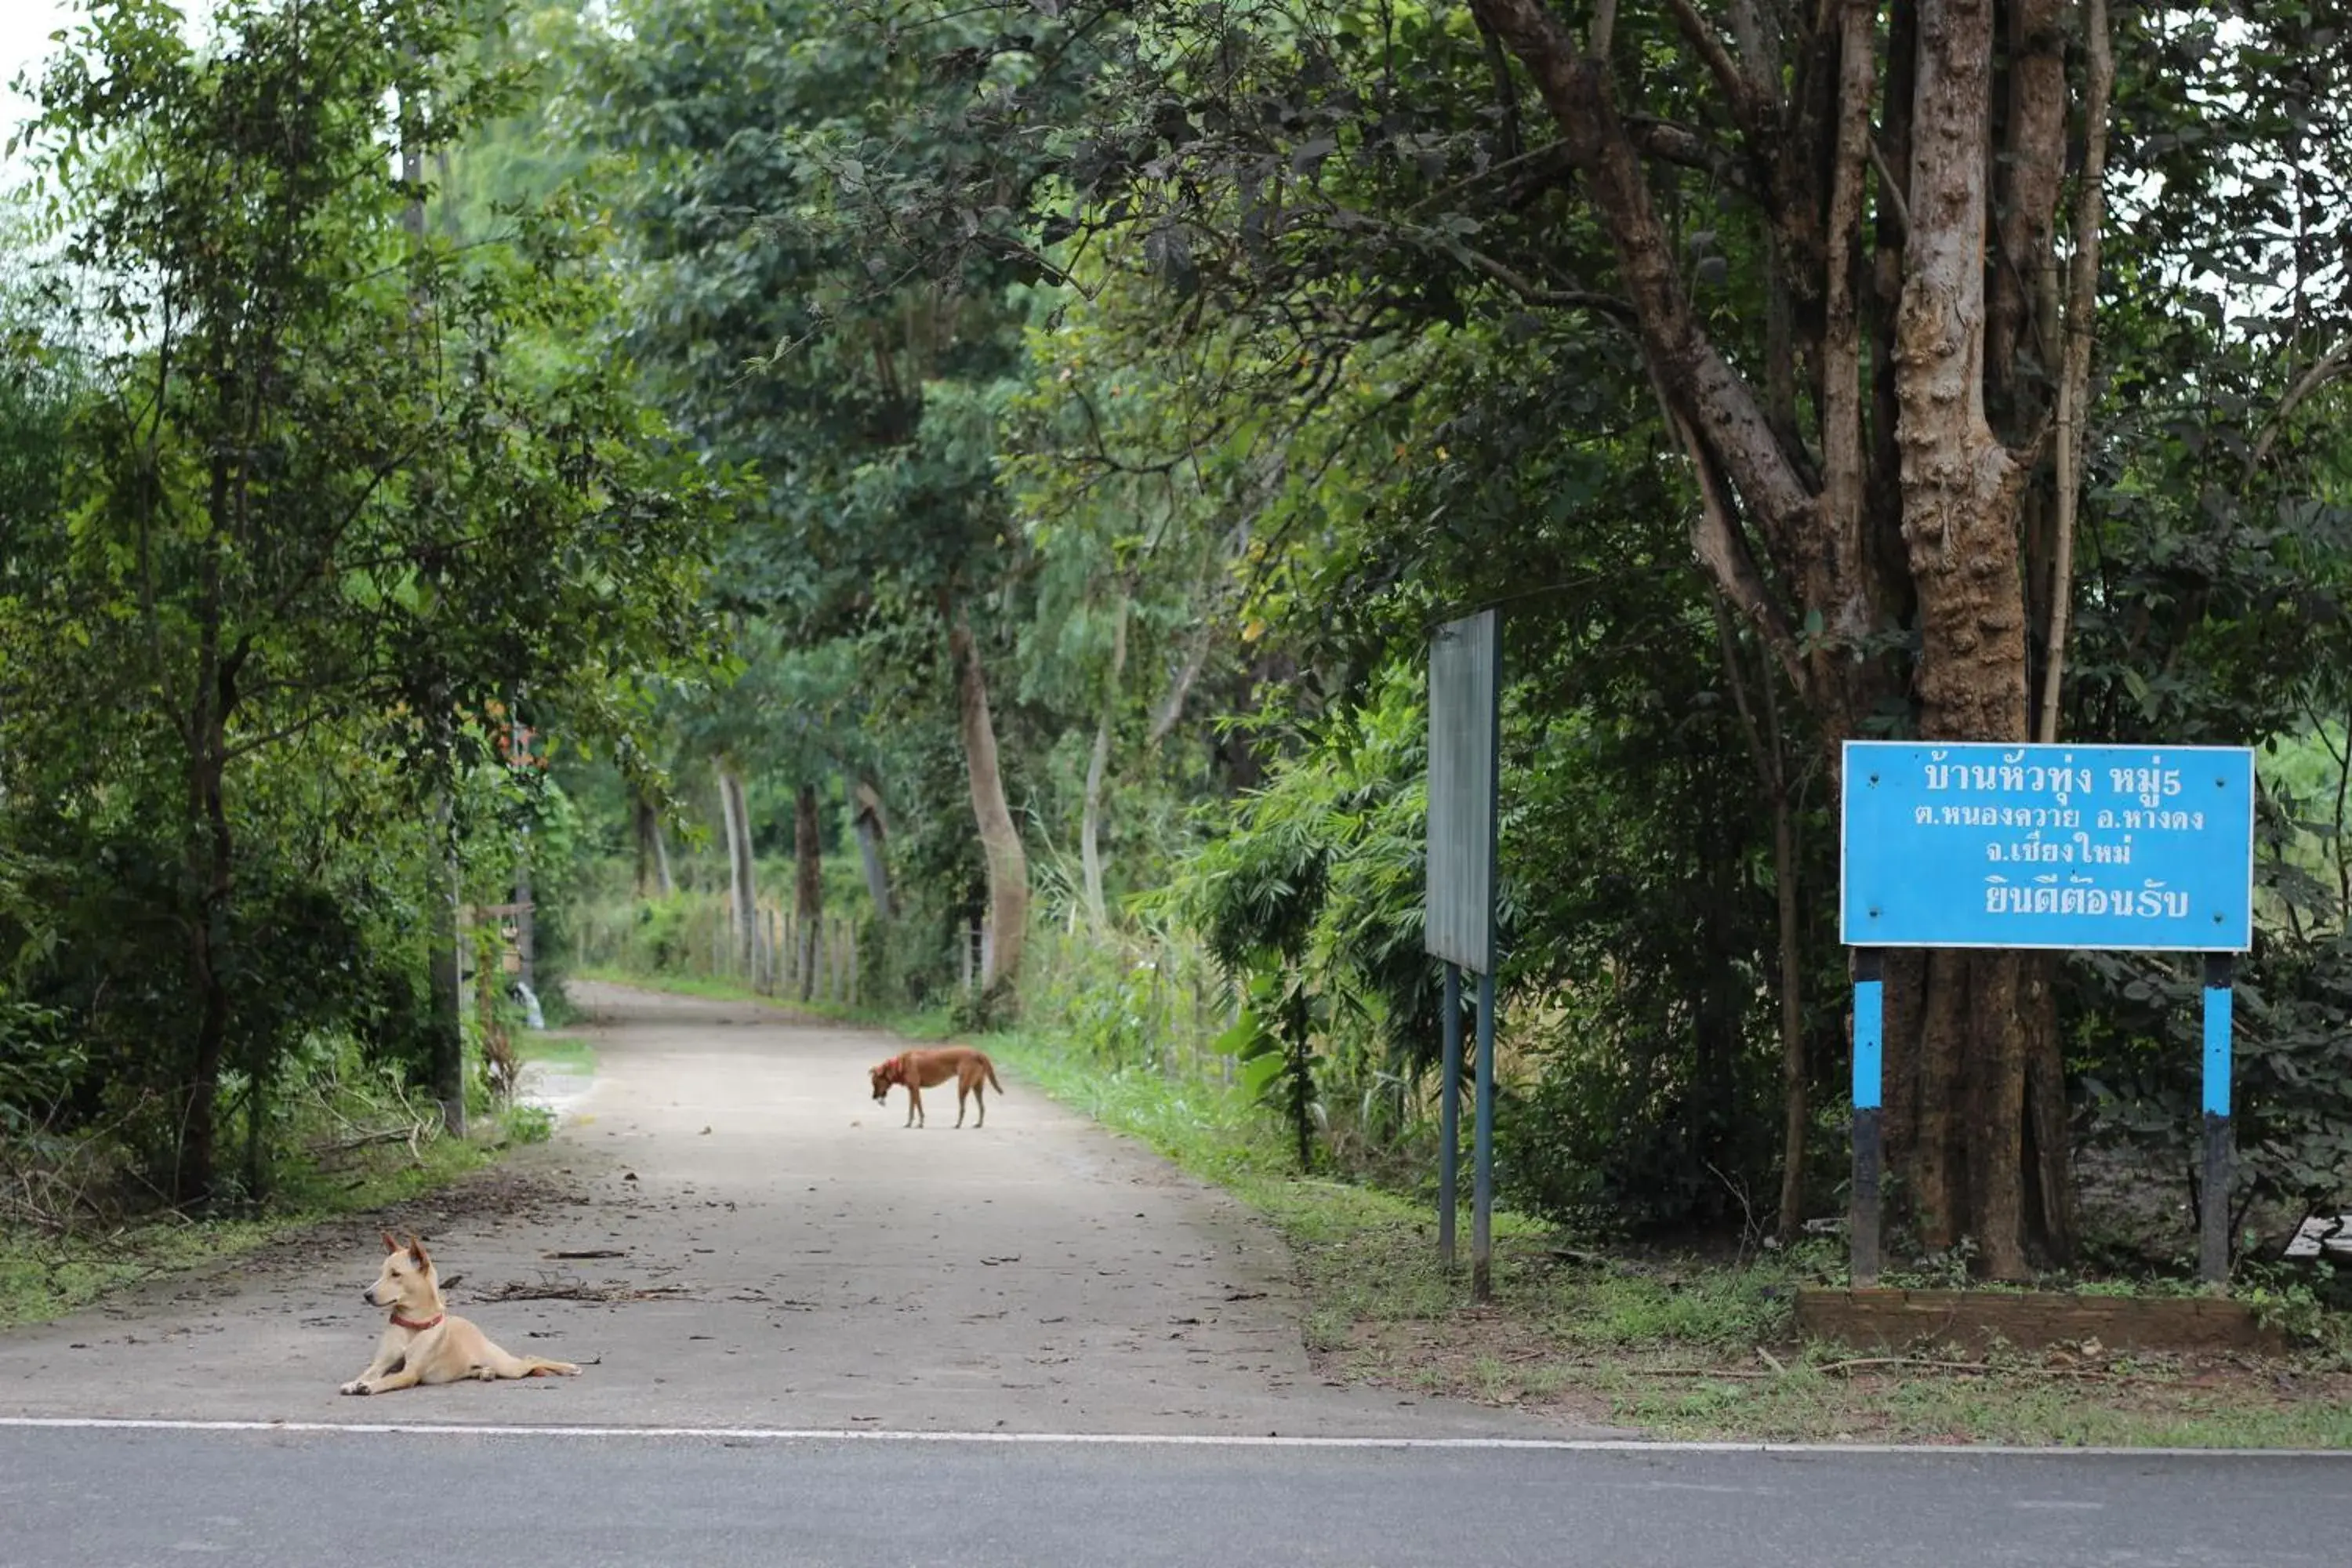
<point x="1978" y="1320"/>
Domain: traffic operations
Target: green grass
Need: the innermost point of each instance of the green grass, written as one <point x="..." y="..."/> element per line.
<point x="45" y="1276"/>
<point x="2155" y="1406"/>
<point x="1677" y="1346"/>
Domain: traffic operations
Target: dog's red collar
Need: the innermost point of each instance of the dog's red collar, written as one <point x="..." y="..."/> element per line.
<point x="400" y="1322"/>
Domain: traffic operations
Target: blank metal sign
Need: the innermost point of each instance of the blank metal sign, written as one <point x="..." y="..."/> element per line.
<point x="1459" y="918"/>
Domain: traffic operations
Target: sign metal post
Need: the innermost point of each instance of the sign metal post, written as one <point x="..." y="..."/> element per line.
<point x="1449" y="1115"/>
<point x="1458" y="917"/>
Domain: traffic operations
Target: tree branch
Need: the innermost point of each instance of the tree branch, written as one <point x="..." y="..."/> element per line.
<point x="1604" y="29"/>
<point x="2075" y="361"/>
<point x="1506" y="97"/>
<point x="1697" y="381"/>
<point x="1839" y="580"/>
<point x="1685" y="147"/>
<point x="1890" y="189"/>
<point x="2318" y="374"/>
<point x="1746" y="107"/>
<point x="1531" y="291"/>
<point x="1722" y="548"/>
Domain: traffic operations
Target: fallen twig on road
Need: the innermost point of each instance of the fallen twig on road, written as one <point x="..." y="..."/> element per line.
<point x="579" y="1290"/>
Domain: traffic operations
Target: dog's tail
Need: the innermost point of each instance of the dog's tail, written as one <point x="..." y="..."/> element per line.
<point x="506" y="1364"/>
<point x="991" y="1074"/>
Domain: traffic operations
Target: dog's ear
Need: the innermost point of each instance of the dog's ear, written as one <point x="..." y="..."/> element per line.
<point x="416" y="1251"/>
<point x="390" y="1245"/>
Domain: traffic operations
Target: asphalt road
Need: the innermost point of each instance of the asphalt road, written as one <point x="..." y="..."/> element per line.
<point x="71" y="1497"/>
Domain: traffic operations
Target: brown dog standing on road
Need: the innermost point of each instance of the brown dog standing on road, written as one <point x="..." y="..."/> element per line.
<point x="920" y="1070"/>
<point x="423" y="1343"/>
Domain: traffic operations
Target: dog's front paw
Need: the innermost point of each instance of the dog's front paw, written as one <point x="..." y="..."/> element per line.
<point x="358" y="1385"/>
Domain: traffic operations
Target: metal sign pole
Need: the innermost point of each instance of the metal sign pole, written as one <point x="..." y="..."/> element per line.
<point x="1481" y="1180"/>
<point x="1449" y="1116"/>
<point x="1458" y="924"/>
<point x="1869" y="1032"/>
<point x="2213" y="1211"/>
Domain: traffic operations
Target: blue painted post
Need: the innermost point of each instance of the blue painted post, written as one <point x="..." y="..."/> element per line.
<point x="1869" y="1035"/>
<point x="1449" y="1115"/>
<point x="2213" y="1208"/>
<point x="1482" y="1178"/>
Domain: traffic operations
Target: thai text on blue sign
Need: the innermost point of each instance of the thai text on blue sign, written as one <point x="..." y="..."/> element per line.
<point x="2056" y="847"/>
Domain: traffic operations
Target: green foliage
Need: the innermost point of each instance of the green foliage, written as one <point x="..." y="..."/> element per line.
<point x="1199" y="361"/>
<point x="328" y="491"/>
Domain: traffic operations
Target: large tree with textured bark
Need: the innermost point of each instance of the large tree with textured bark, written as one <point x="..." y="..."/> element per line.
<point x="1903" y="457"/>
<point x="1833" y="231"/>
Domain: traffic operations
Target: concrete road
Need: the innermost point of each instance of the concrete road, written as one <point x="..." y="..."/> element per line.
<point x="731" y="1230"/>
<point x="123" y="1498"/>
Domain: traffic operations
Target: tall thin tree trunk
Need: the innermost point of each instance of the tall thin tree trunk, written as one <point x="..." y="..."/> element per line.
<point x="1796" y="1115"/>
<point x="742" y="886"/>
<point x="526" y="930"/>
<point x="1090" y="825"/>
<point x="873" y="836"/>
<point x="1769" y="749"/>
<point x="525" y="924"/>
<point x="727" y="838"/>
<point x="446" y="1029"/>
<point x="2074" y="368"/>
<point x="665" y="884"/>
<point x="1000" y="841"/>
<point x="641" y="816"/>
<point x="199" y="1143"/>
<point x="808" y="885"/>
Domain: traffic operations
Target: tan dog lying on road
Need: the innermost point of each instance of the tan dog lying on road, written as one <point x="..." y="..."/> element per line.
<point x="423" y="1343"/>
<point x="920" y="1070"/>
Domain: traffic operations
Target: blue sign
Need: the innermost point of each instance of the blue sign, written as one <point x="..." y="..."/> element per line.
<point x="2060" y="846"/>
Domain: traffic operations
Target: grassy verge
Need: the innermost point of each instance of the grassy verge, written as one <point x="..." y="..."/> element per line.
<point x="43" y="1276"/>
<point x="1681" y="1346"/>
<point x="1678" y="1345"/>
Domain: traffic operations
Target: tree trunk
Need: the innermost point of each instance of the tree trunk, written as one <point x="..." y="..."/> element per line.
<point x="526" y="910"/>
<point x="447" y="1030"/>
<point x="808" y="885"/>
<point x="665" y="883"/>
<point x="199" y="1143"/>
<point x="999" y="841"/>
<point x="873" y="836"/>
<point x="1090" y="826"/>
<point x="641" y="813"/>
<point x="727" y="836"/>
<point x="1768" y="747"/>
<point x="1796" y="1115"/>
<point x="742" y="886"/>
<point x="1961" y="494"/>
<point x="1908" y="520"/>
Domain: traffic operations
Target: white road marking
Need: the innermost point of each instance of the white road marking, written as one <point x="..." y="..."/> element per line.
<point x="1138" y="1439"/>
